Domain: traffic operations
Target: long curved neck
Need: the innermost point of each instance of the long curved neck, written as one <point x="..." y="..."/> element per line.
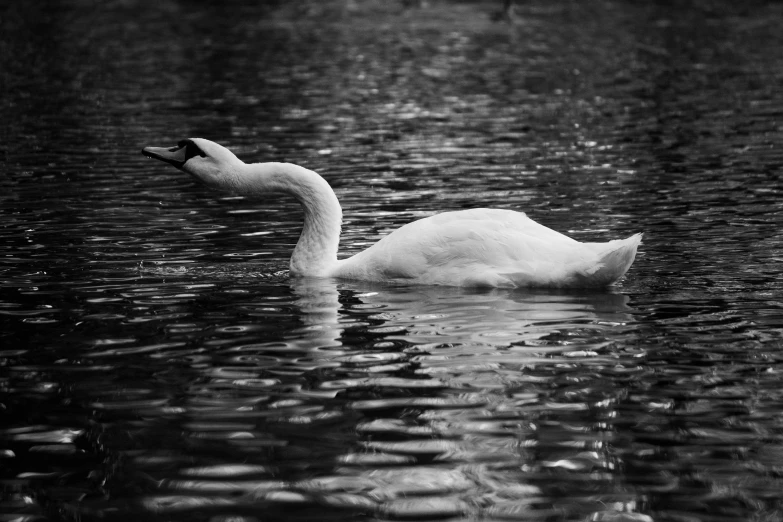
<point x="316" y="251"/>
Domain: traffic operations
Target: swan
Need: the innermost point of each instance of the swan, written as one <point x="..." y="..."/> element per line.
<point x="469" y="248"/>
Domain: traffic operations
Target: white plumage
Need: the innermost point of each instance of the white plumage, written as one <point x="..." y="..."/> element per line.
<point x="470" y="248"/>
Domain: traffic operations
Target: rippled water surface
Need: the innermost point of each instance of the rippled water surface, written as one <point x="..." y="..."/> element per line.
<point x="158" y="363"/>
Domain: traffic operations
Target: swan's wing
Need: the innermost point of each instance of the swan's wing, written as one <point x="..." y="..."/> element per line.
<point x="439" y="248"/>
<point x="478" y="247"/>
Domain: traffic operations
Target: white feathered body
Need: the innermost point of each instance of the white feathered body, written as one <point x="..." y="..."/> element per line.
<point x="489" y="248"/>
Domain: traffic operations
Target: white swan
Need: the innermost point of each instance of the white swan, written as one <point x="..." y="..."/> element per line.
<point x="470" y="248"/>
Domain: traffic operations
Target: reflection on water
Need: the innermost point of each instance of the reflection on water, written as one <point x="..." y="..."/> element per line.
<point x="403" y="402"/>
<point x="157" y="362"/>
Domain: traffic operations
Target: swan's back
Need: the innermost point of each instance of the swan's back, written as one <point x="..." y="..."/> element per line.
<point x="489" y="247"/>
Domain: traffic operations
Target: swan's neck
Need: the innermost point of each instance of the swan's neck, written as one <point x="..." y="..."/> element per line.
<point x="316" y="251"/>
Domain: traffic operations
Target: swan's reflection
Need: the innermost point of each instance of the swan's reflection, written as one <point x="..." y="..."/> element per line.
<point x="451" y="315"/>
<point x="457" y="333"/>
<point x="318" y="301"/>
<point x="524" y="388"/>
<point x="463" y="315"/>
<point x="384" y="396"/>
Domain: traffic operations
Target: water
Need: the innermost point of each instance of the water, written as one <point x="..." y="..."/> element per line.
<point x="157" y="362"/>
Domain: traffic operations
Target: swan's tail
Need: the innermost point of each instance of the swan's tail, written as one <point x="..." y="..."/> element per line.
<point x="615" y="258"/>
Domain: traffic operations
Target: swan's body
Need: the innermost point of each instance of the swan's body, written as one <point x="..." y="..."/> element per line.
<point x="478" y="247"/>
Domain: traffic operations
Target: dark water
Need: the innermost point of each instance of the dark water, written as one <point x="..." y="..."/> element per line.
<point x="157" y="363"/>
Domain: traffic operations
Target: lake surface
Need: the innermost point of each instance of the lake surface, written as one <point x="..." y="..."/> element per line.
<point x="158" y="363"/>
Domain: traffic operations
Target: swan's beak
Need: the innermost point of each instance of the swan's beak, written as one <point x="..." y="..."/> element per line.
<point x="177" y="156"/>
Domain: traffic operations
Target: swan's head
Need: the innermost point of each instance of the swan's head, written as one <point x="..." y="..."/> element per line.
<point x="210" y="163"/>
